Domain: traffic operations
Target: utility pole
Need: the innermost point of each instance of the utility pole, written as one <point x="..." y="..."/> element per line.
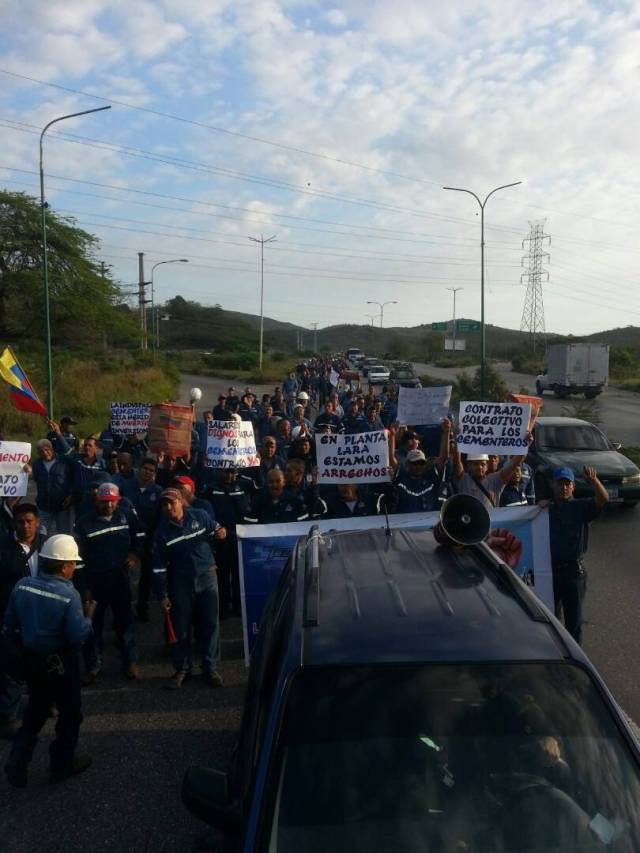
<point x="142" y="302"/>
<point x="454" y="290"/>
<point x="103" y="274"/>
<point x="533" y="311"/>
<point x="262" y="242"/>
<point x="482" y="327"/>
<point x="314" y="326"/>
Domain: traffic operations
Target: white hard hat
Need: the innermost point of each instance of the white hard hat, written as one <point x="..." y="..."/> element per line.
<point x="235" y="417"/>
<point x="477" y="457"/>
<point x="60" y="547"/>
<point x="195" y="394"/>
<point x="303" y="395"/>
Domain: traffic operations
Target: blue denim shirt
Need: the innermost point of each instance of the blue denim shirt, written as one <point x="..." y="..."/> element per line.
<point x="47" y="613"/>
<point x="184" y="550"/>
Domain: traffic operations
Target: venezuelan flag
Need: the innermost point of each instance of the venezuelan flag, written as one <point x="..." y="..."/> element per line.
<point x="22" y="395"/>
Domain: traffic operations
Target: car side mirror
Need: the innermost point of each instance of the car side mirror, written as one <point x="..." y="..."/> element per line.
<point x="617" y="445"/>
<point x="206" y="793"/>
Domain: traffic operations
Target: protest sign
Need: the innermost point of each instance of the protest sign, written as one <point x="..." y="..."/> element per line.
<point x="359" y="458"/>
<point x="231" y="444"/>
<point x="263" y="551"/>
<point x="170" y="429"/>
<point x="536" y="404"/>
<point x="418" y="406"/>
<point x="494" y="428"/>
<point x="129" y="418"/>
<point x="14" y="455"/>
<point x="334" y="378"/>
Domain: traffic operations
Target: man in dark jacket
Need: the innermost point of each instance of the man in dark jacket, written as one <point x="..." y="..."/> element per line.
<point x="230" y="501"/>
<point x="110" y="542"/>
<point x="46" y="617"/>
<point x="18" y="559"/>
<point x="52" y="476"/>
<point x="185" y="582"/>
<point x="272" y="504"/>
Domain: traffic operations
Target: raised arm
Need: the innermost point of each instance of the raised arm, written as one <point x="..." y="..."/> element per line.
<point x="601" y="495"/>
<point x="443" y="456"/>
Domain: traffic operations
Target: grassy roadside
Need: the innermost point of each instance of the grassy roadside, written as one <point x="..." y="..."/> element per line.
<point x="83" y="388"/>
<point x="237" y="367"/>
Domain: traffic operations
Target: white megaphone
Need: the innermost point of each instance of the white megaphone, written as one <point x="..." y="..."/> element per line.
<point x="195" y="395"/>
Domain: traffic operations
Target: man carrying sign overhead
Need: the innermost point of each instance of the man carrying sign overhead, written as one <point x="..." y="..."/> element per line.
<point x="472" y="478"/>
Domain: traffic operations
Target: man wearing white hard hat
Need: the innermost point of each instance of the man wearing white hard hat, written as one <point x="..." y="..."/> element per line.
<point x="472" y="478"/>
<point x="46" y="617"/>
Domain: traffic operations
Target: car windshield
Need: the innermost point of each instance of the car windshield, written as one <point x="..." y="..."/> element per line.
<point x="570" y="437"/>
<point x="376" y="368"/>
<point x="484" y="758"/>
<point x="405" y="374"/>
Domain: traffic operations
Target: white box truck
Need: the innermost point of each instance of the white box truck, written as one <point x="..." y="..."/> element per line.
<point x="575" y="369"/>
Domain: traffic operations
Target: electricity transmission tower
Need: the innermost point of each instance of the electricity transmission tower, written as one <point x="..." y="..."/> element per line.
<point x="533" y="312"/>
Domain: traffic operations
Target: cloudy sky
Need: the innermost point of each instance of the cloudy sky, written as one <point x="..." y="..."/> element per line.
<point x="334" y="128"/>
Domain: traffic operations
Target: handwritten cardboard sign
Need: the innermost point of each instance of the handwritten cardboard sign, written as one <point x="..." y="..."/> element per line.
<point x="14" y="455"/>
<point x="494" y="428"/>
<point x="420" y="406"/>
<point x="129" y="418"/>
<point x="359" y="458"/>
<point x="231" y="444"/>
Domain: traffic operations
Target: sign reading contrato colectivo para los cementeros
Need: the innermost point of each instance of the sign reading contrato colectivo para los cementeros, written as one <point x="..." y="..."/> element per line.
<point x="494" y="428"/>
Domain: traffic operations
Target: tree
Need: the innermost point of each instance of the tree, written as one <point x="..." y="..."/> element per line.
<point x="83" y="300"/>
<point x="468" y="388"/>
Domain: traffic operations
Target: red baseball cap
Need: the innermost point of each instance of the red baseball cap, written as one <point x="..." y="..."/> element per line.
<point x="184" y="481"/>
<point x="108" y="492"/>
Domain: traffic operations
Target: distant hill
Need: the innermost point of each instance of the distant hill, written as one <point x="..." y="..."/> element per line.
<point x="218" y="330"/>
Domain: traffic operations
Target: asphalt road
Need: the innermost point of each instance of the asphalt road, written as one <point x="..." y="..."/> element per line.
<point x="616" y="412"/>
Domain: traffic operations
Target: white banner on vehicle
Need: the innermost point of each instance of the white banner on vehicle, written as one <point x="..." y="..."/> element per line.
<point x="359" y="458"/>
<point x="420" y="406"/>
<point x="231" y="444"/>
<point x="494" y="428"/>
<point x="14" y="455"/>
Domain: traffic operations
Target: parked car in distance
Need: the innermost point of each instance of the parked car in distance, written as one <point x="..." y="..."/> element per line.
<point x="405" y="697"/>
<point x="366" y="362"/>
<point x="378" y="374"/>
<point x="352" y="354"/>
<point x="403" y="375"/>
<point x="573" y="443"/>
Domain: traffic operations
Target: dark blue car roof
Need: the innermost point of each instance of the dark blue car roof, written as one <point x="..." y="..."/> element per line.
<point x="403" y="598"/>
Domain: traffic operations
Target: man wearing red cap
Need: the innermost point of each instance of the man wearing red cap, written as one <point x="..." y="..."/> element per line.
<point x="110" y="543"/>
<point x="185" y="581"/>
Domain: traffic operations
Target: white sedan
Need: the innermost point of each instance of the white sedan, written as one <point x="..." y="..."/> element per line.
<point x="378" y="374"/>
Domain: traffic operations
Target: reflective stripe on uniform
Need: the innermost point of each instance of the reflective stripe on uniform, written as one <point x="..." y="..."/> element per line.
<point x="108" y="530"/>
<point x="159" y="571"/>
<point x="409" y="491"/>
<point x="186" y="536"/>
<point x="45" y="594"/>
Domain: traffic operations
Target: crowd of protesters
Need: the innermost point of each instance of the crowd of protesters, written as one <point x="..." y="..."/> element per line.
<point x="175" y="518"/>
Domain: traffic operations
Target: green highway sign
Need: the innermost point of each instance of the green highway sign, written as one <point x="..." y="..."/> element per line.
<point x="467" y="326"/>
<point x="439" y="327"/>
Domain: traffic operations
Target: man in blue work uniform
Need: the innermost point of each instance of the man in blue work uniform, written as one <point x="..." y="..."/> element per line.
<point x="416" y="487"/>
<point x="110" y="541"/>
<point x="18" y="560"/>
<point x="184" y="580"/>
<point x="144" y="494"/>
<point x="229" y="500"/>
<point x="85" y="466"/>
<point x="46" y="618"/>
<point x="569" y="519"/>
<point x="62" y="437"/>
<point x="273" y="505"/>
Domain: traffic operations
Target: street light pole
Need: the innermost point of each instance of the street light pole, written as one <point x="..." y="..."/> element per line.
<point x="45" y="266"/>
<point x="482" y="330"/>
<point x="155" y="319"/>
<point x="454" y="290"/>
<point x="262" y="240"/>
<point x="381" y="306"/>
